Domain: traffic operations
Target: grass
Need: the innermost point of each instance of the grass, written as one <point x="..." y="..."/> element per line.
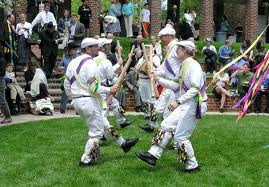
<point x="47" y="153"/>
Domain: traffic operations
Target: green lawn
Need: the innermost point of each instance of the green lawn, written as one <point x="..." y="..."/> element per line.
<point x="48" y="152"/>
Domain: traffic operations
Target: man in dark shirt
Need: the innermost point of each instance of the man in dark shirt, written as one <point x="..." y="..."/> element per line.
<point x="239" y="32"/>
<point x="49" y="48"/>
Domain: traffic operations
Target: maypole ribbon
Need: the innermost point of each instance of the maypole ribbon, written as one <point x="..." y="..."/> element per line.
<point x="257" y="80"/>
<point x="238" y="58"/>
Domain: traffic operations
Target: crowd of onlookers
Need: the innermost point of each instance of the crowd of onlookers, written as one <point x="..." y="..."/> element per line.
<point x="67" y="32"/>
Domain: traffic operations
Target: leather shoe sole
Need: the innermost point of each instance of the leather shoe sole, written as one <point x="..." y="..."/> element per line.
<point x="147" y="160"/>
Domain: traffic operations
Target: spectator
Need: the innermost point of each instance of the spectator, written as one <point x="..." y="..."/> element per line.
<point x="193" y="15"/>
<point x="184" y="31"/>
<point x="32" y="9"/>
<point x="220" y="89"/>
<point x="45" y="17"/>
<point x="8" y="39"/>
<point x="39" y="85"/>
<point x="111" y="25"/>
<point x="110" y="36"/>
<point x="260" y="52"/>
<point x="118" y="6"/>
<point x="76" y="30"/>
<point x="49" y="48"/>
<point x="64" y="23"/>
<point x="138" y="42"/>
<point x="67" y="58"/>
<point x="29" y="75"/>
<point x="85" y="14"/>
<point x="3" y="103"/>
<point x="127" y="12"/>
<point x="112" y="9"/>
<point x="244" y="76"/>
<point x="263" y="91"/>
<point x="239" y="32"/>
<point x="210" y="53"/>
<point x="135" y="58"/>
<point x="14" y="87"/>
<point x="132" y="84"/>
<point x="24" y="31"/>
<point x="226" y="53"/>
<point x="224" y="26"/>
<point x="249" y="56"/>
<point x="121" y="98"/>
<point x="173" y="15"/>
<point x="145" y="20"/>
<point x="188" y="16"/>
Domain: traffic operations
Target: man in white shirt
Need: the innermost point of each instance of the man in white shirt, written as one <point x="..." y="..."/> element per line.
<point x="169" y="69"/>
<point x="186" y="110"/>
<point x="83" y="85"/>
<point x="45" y="17"/>
<point x="107" y="74"/>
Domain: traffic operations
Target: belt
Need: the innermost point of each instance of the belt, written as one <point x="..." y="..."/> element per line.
<point x="82" y="96"/>
<point x="143" y="78"/>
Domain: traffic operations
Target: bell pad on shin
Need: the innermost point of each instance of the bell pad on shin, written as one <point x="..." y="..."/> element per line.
<point x="95" y="153"/>
<point x="182" y="151"/>
<point x="113" y="132"/>
<point x="158" y="137"/>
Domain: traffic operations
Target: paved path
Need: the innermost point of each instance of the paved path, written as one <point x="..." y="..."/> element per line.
<point x="23" y="118"/>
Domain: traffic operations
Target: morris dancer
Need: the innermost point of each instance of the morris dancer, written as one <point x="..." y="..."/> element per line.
<point x="170" y="70"/>
<point x="107" y="74"/>
<point x="188" y="107"/>
<point x="83" y="86"/>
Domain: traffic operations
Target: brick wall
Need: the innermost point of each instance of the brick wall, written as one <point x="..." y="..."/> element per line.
<point x="155" y="9"/>
<point x="206" y="26"/>
<point x="213" y="103"/>
<point x="95" y="6"/>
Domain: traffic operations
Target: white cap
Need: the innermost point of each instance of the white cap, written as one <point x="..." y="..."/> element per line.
<point x="103" y="41"/>
<point x="209" y="40"/>
<point x="167" y="31"/>
<point x="88" y="42"/>
<point x="187" y="45"/>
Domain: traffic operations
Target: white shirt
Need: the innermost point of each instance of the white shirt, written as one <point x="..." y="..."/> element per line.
<point x="87" y="76"/>
<point x="105" y="69"/>
<point x="172" y="61"/>
<point x="188" y="18"/>
<point x="10" y="75"/>
<point x="211" y="48"/>
<point x="158" y="50"/>
<point x="145" y="15"/>
<point x="39" y="77"/>
<point x="193" y="79"/>
<point x="44" y="18"/>
<point x="27" y="31"/>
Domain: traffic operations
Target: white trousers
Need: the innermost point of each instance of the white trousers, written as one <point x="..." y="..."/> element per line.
<point x="161" y="105"/>
<point x="182" y="121"/>
<point x="114" y="106"/>
<point x="128" y="20"/>
<point x="145" y="91"/>
<point x="90" y="109"/>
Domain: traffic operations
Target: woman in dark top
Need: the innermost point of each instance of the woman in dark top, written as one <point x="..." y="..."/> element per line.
<point x="85" y="14"/>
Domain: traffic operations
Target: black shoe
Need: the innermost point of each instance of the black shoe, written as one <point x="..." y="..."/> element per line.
<point x="138" y="109"/>
<point x="192" y="170"/>
<point x="147" y="157"/>
<point x="221" y="110"/>
<point x="126" y="123"/>
<point x="129" y="143"/>
<point x="146" y="128"/>
<point x="62" y="111"/>
<point x="82" y="164"/>
<point x="6" y="120"/>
